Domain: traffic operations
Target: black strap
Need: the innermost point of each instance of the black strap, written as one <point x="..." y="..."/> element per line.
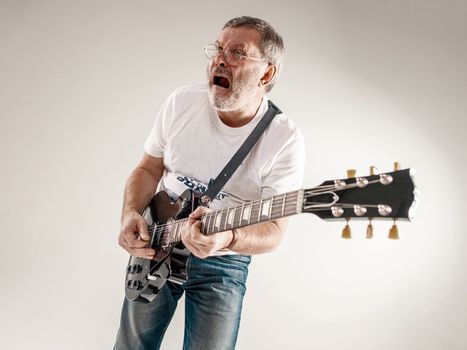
<point x="216" y="186"/>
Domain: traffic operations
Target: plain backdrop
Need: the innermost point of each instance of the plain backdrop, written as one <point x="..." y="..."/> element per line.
<point x="368" y="82"/>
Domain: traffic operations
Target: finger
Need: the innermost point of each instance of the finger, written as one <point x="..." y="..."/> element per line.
<point x="192" y="231"/>
<point x="196" y="236"/>
<point x="146" y="253"/>
<point x="131" y="239"/>
<point x="122" y="242"/>
<point x="142" y="252"/>
<point x="138" y="243"/>
<point x="128" y="240"/>
<point x="199" y="212"/>
<point x="143" y="230"/>
<point x="124" y="239"/>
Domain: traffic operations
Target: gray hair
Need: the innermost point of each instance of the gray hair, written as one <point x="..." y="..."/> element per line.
<point x="271" y="45"/>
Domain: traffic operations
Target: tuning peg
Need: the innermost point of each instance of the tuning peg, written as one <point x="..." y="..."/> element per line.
<point x="351" y="173"/>
<point x="347" y="232"/>
<point x="373" y="170"/>
<point x="369" y="230"/>
<point x="394" y="231"/>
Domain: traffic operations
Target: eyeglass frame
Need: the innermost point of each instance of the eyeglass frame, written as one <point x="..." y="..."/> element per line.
<point x="231" y="54"/>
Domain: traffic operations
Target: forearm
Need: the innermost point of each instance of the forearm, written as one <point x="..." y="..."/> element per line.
<point x="258" y="239"/>
<point x="142" y="184"/>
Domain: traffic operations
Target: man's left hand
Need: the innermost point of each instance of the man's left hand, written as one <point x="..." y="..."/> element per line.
<point x="199" y="244"/>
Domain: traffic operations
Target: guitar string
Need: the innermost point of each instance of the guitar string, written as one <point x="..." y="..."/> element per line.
<point x="256" y="205"/>
<point x="307" y="194"/>
<point x="206" y="216"/>
<point x="280" y="206"/>
<point x="292" y="195"/>
<point x="238" y="222"/>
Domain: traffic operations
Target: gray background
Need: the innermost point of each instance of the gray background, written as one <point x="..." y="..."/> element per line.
<point x="368" y="82"/>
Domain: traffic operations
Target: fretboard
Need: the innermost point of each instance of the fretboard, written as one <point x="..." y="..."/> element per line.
<point x="246" y="214"/>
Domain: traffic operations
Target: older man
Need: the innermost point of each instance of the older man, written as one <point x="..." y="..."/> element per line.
<point x="195" y="134"/>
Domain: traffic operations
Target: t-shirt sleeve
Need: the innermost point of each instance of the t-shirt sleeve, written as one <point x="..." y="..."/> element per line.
<point x="288" y="170"/>
<point x="157" y="139"/>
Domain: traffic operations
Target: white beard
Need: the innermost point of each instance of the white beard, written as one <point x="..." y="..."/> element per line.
<point x="239" y="94"/>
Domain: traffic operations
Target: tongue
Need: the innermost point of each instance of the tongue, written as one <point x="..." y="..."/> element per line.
<point x="224" y="82"/>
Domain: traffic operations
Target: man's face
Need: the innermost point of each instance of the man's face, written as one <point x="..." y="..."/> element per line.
<point x="233" y="86"/>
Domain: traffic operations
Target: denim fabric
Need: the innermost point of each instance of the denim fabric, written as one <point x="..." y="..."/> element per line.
<point x="213" y="303"/>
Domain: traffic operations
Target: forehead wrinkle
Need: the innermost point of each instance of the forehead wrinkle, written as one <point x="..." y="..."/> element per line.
<point x="242" y="45"/>
<point x="248" y="37"/>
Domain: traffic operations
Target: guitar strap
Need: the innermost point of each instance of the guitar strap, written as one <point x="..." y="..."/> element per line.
<point x="216" y="186"/>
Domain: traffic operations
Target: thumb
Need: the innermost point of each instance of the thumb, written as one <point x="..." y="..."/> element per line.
<point x="143" y="230"/>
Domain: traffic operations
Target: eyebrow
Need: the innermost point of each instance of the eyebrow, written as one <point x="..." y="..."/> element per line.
<point x="242" y="45"/>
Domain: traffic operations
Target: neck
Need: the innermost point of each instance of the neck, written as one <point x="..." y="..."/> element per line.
<point x="245" y="214"/>
<point x="241" y="116"/>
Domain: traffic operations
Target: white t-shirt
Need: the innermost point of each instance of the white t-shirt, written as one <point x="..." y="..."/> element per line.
<point x="196" y="145"/>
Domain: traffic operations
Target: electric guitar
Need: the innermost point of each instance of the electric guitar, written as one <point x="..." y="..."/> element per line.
<point x="390" y="196"/>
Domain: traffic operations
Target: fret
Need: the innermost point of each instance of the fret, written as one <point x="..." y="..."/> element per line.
<point x="283" y="203"/>
<point x="210" y="222"/>
<point x="254" y="213"/>
<point x="206" y="223"/>
<point x="217" y="220"/>
<point x="203" y="223"/>
<point x="246" y="212"/>
<point x="238" y="216"/>
<point x="230" y="217"/>
<point x="225" y="212"/>
<point x="259" y="209"/>
<point x="292" y="203"/>
<point x="221" y="214"/>
<point x="270" y="207"/>
<point x="271" y="213"/>
<point x="266" y="208"/>
<point x="241" y="215"/>
<point x="275" y="207"/>
<point x="174" y="235"/>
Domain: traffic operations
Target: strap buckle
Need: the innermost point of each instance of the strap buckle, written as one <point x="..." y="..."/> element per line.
<point x="205" y="200"/>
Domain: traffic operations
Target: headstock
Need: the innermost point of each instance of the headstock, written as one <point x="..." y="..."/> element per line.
<point x="392" y="195"/>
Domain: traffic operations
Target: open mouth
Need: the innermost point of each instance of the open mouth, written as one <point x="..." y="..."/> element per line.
<point x="221" y="81"/>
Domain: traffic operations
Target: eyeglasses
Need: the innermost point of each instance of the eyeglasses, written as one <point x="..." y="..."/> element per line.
<point x="232" y="57"/>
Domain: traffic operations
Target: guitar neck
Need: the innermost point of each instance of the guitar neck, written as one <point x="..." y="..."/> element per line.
<point x="246" y="214"/>
<point x="387" y="196"/>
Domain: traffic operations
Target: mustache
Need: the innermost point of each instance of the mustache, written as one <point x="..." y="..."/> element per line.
<point x="221" y="70"/>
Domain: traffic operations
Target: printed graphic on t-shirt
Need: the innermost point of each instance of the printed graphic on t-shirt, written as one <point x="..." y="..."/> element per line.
<point x="176" y="184"/>
<point x="199" y="186"/>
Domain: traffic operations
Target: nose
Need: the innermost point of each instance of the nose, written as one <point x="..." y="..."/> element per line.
<point x="219" y="59"/>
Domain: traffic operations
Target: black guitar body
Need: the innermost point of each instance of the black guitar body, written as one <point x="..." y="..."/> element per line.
<point x="145" y="277"/>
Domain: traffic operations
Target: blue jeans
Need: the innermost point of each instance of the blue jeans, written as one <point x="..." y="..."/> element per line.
<point x="213" y="304"/>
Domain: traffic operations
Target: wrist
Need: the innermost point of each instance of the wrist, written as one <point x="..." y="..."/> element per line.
<point x="233" y="241"/>
<point x="127" y="212"/>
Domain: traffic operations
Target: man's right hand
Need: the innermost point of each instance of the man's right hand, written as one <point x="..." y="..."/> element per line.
<point x="134" y="236"/>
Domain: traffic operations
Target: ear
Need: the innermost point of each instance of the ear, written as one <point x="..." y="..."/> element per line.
<point x="268" y="75"/>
